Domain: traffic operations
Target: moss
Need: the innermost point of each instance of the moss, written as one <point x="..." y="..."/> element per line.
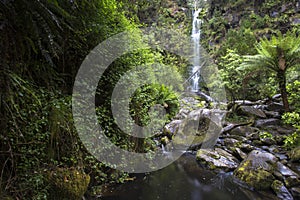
<point x="164" y="140"/>
<point x="211" y="166"/>
<point x="258" y="179"/>
<point x="67" y="183"/>
<point x="295" y="154"/>
<point x="276" y="186"/>
<point x="291" y="181"/>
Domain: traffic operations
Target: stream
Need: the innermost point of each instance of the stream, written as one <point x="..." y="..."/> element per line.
<point x="185" y="179"/>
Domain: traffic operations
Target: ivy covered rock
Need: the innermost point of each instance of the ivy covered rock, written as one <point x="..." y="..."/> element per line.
<point x="67" y="183"/>
<point x="257" y="169"/>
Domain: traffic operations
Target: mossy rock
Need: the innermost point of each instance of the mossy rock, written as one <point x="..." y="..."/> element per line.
<point x="257" y="169"/>
<point x="295" y="154"/>
<point x="292" y="181"/>
<point x="258" y="179"/>
<point x="217" y="159"/>
<point x="280" y="190"/>
<point x="67" y="183"/>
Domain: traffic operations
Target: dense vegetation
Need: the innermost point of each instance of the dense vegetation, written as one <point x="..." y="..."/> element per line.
<point x="43" y="43"/>
<point x="42" y="46"/>
<point x="256" y="47"/>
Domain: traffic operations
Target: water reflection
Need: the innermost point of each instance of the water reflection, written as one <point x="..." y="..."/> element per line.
<point x="183" y="180"/>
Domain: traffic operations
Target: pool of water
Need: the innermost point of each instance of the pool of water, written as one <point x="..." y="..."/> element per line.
<point x="185" y="179"/>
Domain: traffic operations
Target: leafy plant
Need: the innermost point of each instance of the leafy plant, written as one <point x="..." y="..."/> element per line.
<point x="265" y="134"/>
<point x="291" y="141"/>
<point x="293" y="119"/>
<point x="277" y="55"/>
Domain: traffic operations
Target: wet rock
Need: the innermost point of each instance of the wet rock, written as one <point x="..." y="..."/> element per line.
<point x="243" y="131"/>
<point x="290" y="177"/>
<point x="285" y="171"/>
<point x="291" y="181"/>
<point x="296" y="192"/>
<point x="254" y="136"/>
<point x="217" y="159"/>
<point x="201" y="127"/>
<point x="276" y="97"/>
<point x="263" y="123"/>
<point x="244" y="102"/>
<point x="172" y="128"/>
<point x="259" y="143"/>
<point x="230" y="141"/>
<point x="246" y="147"/>
<point x="295" y="155"/>
<point x="272" y="114"/>
<point x="205" y="97"/>
<point x="281" y="191"/>
<point x="268" y="141"/>
<point x="274" y="149"/>
<point x="183" y="113"/>
<point x="285" y="130"/>
<point x="240" y="139"/>
<point x="251" y="111"/>
<point x="276" y="107"/>
<point x="256" y="170"/>
<point x="281" y="156"/>
<point x="239" y="153"/>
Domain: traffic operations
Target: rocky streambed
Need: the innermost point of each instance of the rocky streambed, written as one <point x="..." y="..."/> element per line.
<point x="245" y="138"/>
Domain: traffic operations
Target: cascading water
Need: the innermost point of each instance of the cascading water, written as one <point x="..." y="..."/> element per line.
<point x="196" y="54"/>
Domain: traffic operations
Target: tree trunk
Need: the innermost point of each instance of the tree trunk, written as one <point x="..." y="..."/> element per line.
<point x="282" y="86"/>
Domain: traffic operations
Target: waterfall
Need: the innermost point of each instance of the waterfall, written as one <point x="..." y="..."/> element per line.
<point x="196" y="54"/>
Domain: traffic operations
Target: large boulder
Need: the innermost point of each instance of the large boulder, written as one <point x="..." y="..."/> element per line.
<point x="264" y="123"/>
<point x="217" y="159"/>
<point x="251" y="111"/>
<point x="204" y="125"/>
<point x="257" y="170"/>
<point x="243" y="131"/>
<point x="172" y="128"/>
<point x="67" y="183"/>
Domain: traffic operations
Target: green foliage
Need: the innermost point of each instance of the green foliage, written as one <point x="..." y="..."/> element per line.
<point x="149" y="96"/>
<point x="242" y="41"/>
<point x="265" y="134"/>
<point x="291" y="141"/>
<point x="293" y="119"/>
<point x="269" y="52"/>
<point x="277" y="55"/>
<point x="232" y="79"/>
<point x="294" y="94"/>
<point x="235" y="118"/>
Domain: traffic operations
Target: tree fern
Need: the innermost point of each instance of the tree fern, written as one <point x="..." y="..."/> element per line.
<point x="277" y="54"/>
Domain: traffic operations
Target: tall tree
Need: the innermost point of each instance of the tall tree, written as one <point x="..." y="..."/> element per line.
<point x="277" y="54"/>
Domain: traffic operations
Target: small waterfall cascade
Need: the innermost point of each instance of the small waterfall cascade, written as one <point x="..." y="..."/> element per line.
<point x="195" y="75"/>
